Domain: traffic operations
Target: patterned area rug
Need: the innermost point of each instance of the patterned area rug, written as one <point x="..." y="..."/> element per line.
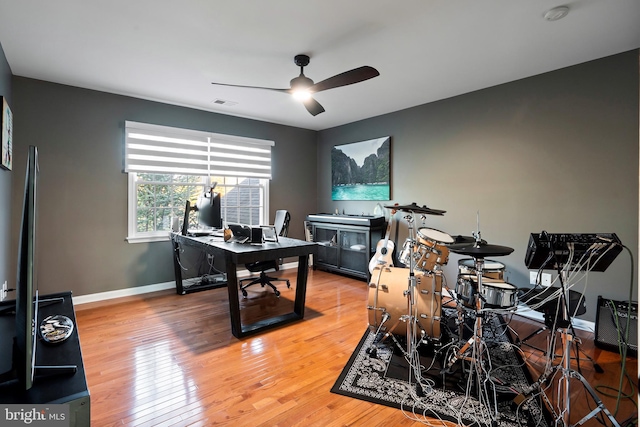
<point x="383" y="377"/>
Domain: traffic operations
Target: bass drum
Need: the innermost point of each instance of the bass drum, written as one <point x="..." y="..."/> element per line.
<point x="387" y="301"/>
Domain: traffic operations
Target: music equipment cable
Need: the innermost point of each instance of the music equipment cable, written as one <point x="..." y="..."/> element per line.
<point x="623" y="344"/>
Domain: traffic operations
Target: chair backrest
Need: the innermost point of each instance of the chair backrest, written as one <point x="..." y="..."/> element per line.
<point x="281" y="222"/>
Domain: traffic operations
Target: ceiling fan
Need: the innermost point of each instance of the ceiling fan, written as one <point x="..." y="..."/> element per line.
<point x="303" y="87"/>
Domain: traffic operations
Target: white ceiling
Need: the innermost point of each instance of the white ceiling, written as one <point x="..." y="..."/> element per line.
<point x="425" y="50"/>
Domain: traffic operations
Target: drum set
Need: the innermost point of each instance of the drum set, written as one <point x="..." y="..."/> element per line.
<point x="407" y="302"/>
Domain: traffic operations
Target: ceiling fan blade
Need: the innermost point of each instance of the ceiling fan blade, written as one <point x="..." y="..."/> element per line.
<point x="343" y="79"/>
<point x="253" y="87"/>
<point x="313" y="106"/>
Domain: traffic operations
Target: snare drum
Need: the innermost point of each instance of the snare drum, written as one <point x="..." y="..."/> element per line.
<point x="491" y="269"/>
<point x="387" y="300"/>
<point x="499" y="294"/>
<point x="430" y="251"/>
<point x="496" y="293"/>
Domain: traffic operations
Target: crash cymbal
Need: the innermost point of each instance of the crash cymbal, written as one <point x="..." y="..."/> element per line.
<point x="481" y="249"/>
<point x="417" y="209"/>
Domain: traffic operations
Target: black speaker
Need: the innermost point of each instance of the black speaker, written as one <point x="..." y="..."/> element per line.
<point x="256" y="235"/>
<point x="611" y="325"/>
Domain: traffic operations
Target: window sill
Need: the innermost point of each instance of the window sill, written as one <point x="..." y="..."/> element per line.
<point x="148" y="239"/>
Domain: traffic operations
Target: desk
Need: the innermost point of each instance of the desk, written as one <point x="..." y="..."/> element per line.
<point x="236" y="253"/>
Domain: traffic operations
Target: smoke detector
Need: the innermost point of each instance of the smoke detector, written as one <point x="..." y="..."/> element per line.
<point x="556" y="13"/>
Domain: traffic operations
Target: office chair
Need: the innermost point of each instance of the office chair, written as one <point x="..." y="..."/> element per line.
<point x="281" y="224"/>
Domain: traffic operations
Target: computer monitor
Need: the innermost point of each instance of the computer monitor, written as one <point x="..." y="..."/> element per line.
<point x="209" y="209"/>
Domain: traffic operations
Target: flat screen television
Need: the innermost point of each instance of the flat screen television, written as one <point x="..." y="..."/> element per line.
<point x="25" y="308"/>
<point x="23" y="354"/>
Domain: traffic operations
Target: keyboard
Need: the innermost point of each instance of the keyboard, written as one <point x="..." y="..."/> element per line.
<point x="197" y="232"/>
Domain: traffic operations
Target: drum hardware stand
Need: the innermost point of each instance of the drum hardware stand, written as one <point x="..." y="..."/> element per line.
<point x="409" y="317"/>
<point x="486" y="393"/>
<point x="411" y="351"/>
<point x="596" y="365"/>
<point x="564" y="327"/>
<point x="373" y="350"/>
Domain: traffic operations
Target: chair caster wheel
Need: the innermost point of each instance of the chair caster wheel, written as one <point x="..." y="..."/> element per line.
<point x="244" y="293"/>
<point x="288" y="285"/>
<point x="277" y="293"/>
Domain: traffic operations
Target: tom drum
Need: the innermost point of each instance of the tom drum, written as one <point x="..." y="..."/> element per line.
<point x="430" y="251"/>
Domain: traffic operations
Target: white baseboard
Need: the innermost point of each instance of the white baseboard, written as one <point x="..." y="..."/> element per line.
<point x="581" y="324"/>
<point x="139" y="290"/>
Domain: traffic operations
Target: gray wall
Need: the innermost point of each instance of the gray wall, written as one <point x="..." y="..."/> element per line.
<point x="555" y="152"/>
<point x="5" y="185"/>
<point x="83" y="193"/>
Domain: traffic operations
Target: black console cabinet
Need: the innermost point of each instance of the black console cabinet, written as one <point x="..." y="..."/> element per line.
<point x="346" y="243"/>
<point x="68" y="388"/>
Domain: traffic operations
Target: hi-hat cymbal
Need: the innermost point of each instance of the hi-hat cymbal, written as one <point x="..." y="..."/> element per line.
<point x="460" y="241"/>
<point x="417" y="209"/>
<point x="481" y="249"/>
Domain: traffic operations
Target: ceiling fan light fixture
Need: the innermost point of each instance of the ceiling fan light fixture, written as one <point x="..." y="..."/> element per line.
<point x="302" y="94"/>
<point x="302" y="88"/>
<point x="556" y="13"/>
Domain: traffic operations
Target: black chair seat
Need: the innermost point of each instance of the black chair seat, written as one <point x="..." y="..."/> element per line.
<point x="551" y="309"/>
<point x="257" y="267"/>
<point x="281" y="225"/>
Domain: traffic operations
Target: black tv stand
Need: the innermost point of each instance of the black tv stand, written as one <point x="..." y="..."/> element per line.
<point x="10" y="307"/>
<point x="59" y="375"/>
<point x="46" y="371"/>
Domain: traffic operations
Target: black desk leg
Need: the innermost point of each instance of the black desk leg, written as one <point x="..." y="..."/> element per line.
<point x="301" y="285"/>
<point x="176" y="267"/>
<point x="234" y="301"/>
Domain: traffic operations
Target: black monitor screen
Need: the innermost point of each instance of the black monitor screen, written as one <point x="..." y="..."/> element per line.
<point x="209" y="210"/>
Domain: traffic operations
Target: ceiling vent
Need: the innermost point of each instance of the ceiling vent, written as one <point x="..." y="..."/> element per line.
<point x="224" y="102"/>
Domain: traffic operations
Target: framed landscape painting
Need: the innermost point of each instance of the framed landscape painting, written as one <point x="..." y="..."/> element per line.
<point x="360" y="170"/>
<point x="7" y="130"/>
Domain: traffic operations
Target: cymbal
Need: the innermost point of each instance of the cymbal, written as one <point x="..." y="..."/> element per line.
<point x="481" y="249"/>
<point x="417" y="209"/>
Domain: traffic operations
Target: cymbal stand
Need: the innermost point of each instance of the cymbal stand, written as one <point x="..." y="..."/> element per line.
<point x="411" y="317"/>
<point x="410" y="353"/>
<point x="409" y="293"/>
<point x="411" y="286"/>
<point x="475" y="344"/>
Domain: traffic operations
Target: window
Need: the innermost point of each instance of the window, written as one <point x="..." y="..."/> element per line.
<point x="169" y="166"/>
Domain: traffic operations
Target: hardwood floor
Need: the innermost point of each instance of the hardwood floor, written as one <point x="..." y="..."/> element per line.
<point x="167" y="360"/>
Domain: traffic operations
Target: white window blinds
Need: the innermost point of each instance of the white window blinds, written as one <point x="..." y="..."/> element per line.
<point x="161" y="149"/>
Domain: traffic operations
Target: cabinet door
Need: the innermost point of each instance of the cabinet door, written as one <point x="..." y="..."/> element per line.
<point x="327" y="239"/>
<point x="354" y="250"/>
